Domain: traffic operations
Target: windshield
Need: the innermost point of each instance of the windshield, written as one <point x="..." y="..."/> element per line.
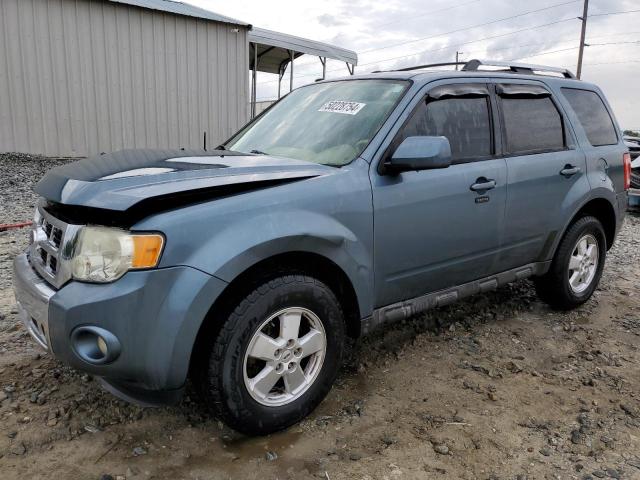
<point x="328" y="123"/>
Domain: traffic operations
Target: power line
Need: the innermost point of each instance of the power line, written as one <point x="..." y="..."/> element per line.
<point x="486" y="38"/>
<point x="565" y="41"/>
<point x="519" y="46"/>
<point x="448" y="47"/>
<point x="626" y="34"/>
<point x="612" y="43"/>
<point x="451" y="48"/>
<point x="471" y="26"/>
<point x="409" y="19"/>
<point x="547" y="53"/>
<point x="405" y="19"/>
<point x="544" y="53"/>
<point x="573" y="48"/>
<point x="459" y="44"/>
<point x="612" y="63"/>
<point x="613" y="13"/>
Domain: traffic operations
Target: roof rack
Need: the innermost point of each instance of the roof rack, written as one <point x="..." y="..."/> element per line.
<point x="418" y="67"/>
<point x="527" y="68"/>
<point x="510" y="67"/>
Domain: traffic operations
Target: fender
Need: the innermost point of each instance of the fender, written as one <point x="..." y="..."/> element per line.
<point x="252" y="241"/>
<point x="225" y="237"/>
<point x="595" y="194"/>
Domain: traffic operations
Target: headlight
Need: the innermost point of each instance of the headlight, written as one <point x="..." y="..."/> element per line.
<point x="105" y="254"/>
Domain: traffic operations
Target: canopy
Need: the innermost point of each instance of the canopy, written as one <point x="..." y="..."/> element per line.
<point x="273" y="49"/>
<point x="272" y="52"/>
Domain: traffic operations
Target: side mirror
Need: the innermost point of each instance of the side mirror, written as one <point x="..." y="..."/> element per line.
<point x="420" y="153"/>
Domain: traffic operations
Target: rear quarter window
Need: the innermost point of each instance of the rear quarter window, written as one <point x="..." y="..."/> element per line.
<point x="592" y="115"/>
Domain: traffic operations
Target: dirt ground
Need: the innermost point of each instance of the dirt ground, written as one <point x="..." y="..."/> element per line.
<point x="496" y="387"/>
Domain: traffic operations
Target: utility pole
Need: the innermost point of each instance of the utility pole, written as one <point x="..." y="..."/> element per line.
<point x="458" y="58"/>
<point x="585" y="15"/>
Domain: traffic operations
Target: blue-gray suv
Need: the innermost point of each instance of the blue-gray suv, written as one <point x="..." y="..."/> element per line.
<point x="348" y="204"/>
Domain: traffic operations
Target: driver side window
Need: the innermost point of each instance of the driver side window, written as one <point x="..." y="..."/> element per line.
<point x="464" y="121"/>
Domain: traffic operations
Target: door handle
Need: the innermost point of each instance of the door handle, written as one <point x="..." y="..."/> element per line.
<point x="569" y="170"/>
<point x="483" y="184"/>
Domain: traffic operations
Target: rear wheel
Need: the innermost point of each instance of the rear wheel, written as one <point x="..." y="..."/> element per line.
<point x="276" y="355"/>
<point x="577" y="265"/>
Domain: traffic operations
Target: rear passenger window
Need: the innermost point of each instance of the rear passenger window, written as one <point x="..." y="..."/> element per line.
<point x="465" y="122"/>
<point x="532" y="125"/>
<point x="593" y="116"/>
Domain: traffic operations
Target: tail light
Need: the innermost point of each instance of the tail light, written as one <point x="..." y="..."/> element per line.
<point x="626" y="160"/>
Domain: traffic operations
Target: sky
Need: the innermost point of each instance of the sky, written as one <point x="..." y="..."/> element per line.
<point x="389" y="34"/>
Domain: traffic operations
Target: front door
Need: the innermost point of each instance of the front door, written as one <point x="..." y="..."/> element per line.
<point x="439" y="228"/>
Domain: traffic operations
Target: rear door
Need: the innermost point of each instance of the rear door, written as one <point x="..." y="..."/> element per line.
<point x="432" y="229"/>
<point x="545" y="171"/>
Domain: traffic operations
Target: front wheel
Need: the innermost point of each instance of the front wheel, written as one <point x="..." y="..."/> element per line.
<point x="577" y="266"/>
<point x="276" y="355"/>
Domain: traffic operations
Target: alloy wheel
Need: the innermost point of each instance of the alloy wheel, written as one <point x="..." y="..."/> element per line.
<point x="285" y="356"/>
<point x="583" y="263"/>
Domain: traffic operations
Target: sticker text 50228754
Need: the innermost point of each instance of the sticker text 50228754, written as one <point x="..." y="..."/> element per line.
<point x="340" y="106"/>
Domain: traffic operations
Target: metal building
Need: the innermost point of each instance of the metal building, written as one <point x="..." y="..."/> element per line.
<point x="80" y="77"/>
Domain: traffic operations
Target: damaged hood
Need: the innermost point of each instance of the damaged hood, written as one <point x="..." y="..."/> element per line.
<point x="122" y="180"/>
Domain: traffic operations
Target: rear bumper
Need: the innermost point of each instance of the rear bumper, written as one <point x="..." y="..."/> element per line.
<point x="154" y="315"/>
<point x="634" y="199"/>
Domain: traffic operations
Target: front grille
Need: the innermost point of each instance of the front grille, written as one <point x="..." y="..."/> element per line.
<point x="56" y="238"/>
<point x="48" y="237"/>
<point x="635" y="178"/>
<point x="53" y="264"/>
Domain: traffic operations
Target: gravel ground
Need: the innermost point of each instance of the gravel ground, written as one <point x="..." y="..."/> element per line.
<point x="20" y="173"/>
<point x="495" y="387"/>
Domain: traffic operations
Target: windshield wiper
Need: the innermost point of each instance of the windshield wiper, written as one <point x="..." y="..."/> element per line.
<point x="258" y="152"/>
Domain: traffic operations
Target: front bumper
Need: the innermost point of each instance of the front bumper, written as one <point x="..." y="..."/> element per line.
<point x="154" y="314"/>
<point x="32" y="295"/>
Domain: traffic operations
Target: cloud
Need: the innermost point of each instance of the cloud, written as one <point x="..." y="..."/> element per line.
<point x="396" y="33"/>
<point x="329" y="20"/>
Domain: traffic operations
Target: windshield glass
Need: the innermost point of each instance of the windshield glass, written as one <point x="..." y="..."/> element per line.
<point x="329" y="123"/>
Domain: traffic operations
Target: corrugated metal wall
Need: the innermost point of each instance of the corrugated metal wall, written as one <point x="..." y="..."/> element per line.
<point x="80" y="77"/>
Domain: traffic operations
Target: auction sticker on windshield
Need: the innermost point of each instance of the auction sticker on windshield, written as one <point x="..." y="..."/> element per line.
<point x="340" y="106"/>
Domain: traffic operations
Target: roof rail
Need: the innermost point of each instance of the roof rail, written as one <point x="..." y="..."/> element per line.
<point x="418" y="67"/>
<point x="473" y="66"/>
<point x="527" y="68"/>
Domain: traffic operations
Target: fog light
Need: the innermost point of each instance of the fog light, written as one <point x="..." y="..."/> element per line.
<point x="95" y="345"/>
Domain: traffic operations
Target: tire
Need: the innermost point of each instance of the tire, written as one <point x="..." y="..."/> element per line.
<point x="559" y="287"/>
<point x="229" y="368"/>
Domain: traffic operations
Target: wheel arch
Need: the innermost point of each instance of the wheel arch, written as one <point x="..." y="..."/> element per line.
<point x="604" y="211"/>
<point x="296" y="262"/>
<point x="599" y="207"/>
